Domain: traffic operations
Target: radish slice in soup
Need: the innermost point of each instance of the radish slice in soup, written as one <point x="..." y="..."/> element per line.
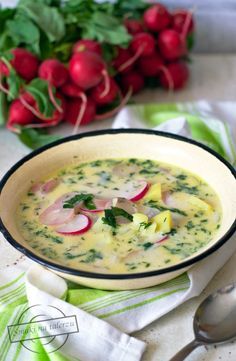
<point x="55" y="214"/>
<point x="162" y="239"/>
<point x="139" y="191"/>
<point x="50" y="185"/>
<point x="79" y="224"/>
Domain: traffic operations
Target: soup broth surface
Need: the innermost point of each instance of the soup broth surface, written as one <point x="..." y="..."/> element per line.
<point x="119" y="215"/>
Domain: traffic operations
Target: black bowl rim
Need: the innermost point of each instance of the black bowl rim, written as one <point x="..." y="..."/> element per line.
<point x="75" y="272"/>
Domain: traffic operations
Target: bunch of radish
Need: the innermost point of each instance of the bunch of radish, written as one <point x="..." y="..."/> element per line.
<point x="88" y="88"/>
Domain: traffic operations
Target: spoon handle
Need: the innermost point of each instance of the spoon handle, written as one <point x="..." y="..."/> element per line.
<point x="186" y="350"/>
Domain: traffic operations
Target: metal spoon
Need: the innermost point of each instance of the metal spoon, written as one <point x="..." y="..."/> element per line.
<point x="214" y="321"/>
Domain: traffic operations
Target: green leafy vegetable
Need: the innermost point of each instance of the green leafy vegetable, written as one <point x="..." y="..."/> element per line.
<point x="3" y="108"/>
<point x="14" y="83"/>
<point x="39" y="90"/>
<point x="47" y="18"/>
<point x="106" y="28"/>
<point x="111" y="214"/>
<point x="87" y="199"/>
<point x="35" y="138"/>
<point x="23" y="30"/>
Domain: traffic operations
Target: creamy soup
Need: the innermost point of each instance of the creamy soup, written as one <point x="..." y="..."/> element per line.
<point x="119" y="215"/>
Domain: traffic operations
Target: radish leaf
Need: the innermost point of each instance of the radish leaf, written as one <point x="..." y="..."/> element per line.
<point x="47" y="18"/>
<point x="106" y="28"/>
<point x="35" y="138"/>
<point x="3" y="108"/>
<point x="23" y="30"/>
<point x="14" y="83"/>
<point x="39" y="90"/>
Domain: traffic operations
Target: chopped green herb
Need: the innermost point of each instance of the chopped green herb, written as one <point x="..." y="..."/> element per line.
<point x="111" y="214"/>
<point x="153" y="204"/>
<point x="181" y="176"/>
<point x="145" y="225"/>
<point x="147" y="245"/>
<point x="92" y="255"/>
<point x="189" y="225"/>
<point x="147" y="171"/>
<point x="87" y="199"/>
<point x="184" y="187"/>
<point x="172" y="232"/>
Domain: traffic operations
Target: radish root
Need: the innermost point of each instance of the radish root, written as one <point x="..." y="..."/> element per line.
<point x="131" y="60"/>
<point x="13" y="129"/>
<point x="33" y="110"/>
<point x="187" y="22"/>
<point x="52" y="98"/>
<point x="169" y="78"/>
<point x="81" y="113"/>
<point x="115" y="110"/>
<point x="106" y="83"/>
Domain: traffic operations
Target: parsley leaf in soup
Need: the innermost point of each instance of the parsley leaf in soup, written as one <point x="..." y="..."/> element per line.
<point x="87" y="199"/>
<point x="111" y="214"/>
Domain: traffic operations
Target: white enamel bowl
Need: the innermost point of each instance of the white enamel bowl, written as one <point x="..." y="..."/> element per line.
<point x="130" y="143"/>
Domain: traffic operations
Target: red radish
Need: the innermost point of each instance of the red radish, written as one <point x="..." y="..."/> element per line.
<point x="171" y="44"/>
<point x="123" y="61"/>
<point x="25" y="63"/>
<point x="101" y="96"/>
<point x="56" y="75"/>
<point x="133" y="26"/>
<point x="78" y="225"/>
<point x="132" y="80"/>
<point x="71" y="90"/>
<point x="87" y="44"/>
<point x="50" y="185"/>
<point x="87" y="69"/>
<point x="143" y="44"/>
<point x="73" y="109"/>
<point x="157" y="17"/>
<point x="178" y="73"/>
<point x="182" y="22"/>
<point x="54" y="72"/>
<point x="56" y="214"/>
<point x="100" y="203"/>
<point x="150" y="65"/>
<point x="18" y="115"/>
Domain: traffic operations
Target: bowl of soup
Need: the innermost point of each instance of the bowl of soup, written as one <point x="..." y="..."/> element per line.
<point x="119" y="209"/>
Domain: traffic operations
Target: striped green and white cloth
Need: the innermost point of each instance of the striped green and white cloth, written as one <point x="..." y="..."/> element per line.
<point x="105" y="318"/>
<point x="213" y="124"/>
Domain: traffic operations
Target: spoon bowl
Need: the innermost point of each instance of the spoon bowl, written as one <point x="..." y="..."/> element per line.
<point x="215" y="318"/>
<point x="214" y="321"/>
